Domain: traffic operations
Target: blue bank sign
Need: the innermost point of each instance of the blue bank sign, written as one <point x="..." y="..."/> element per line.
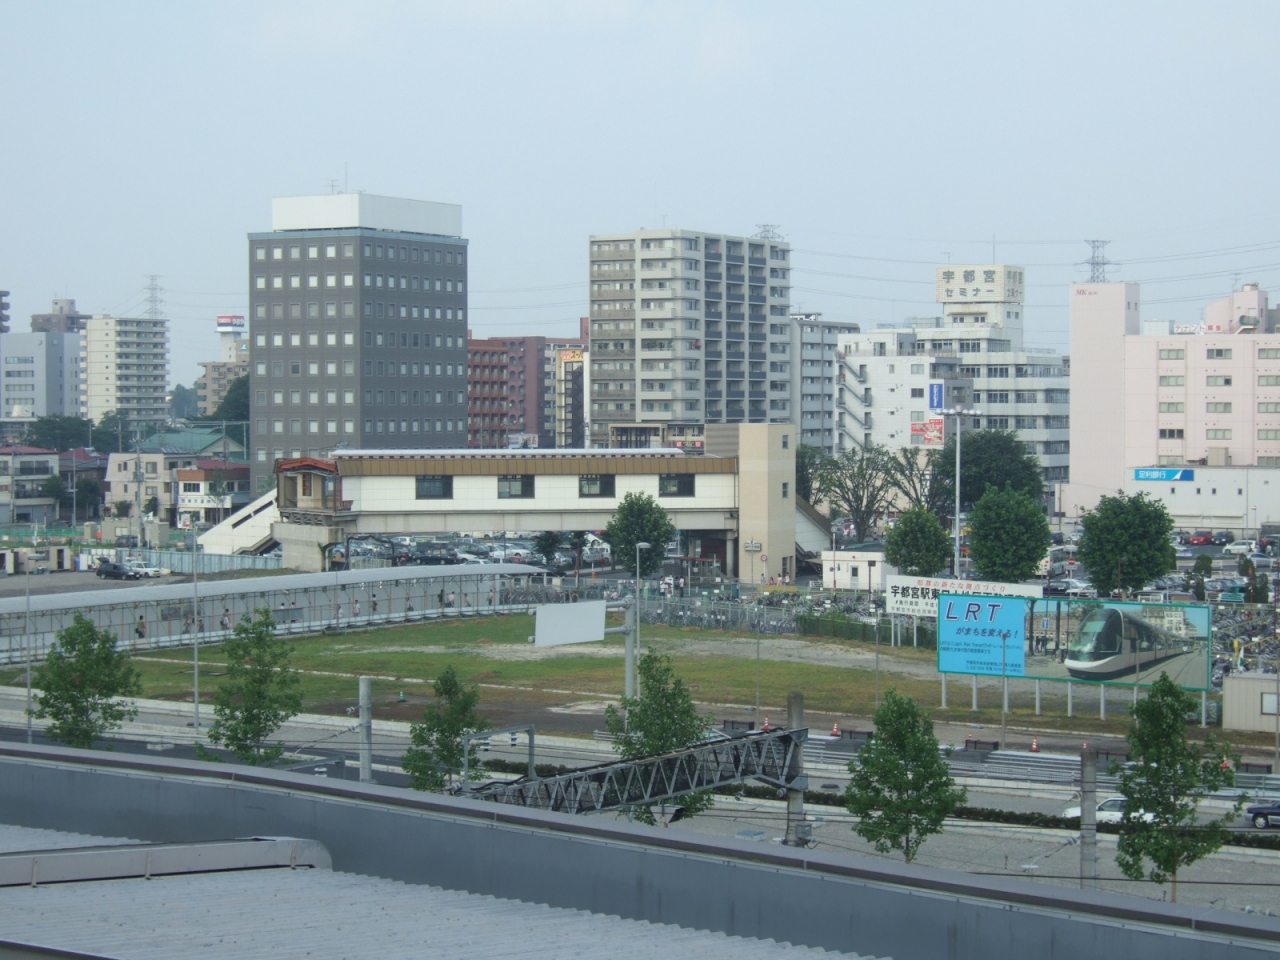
<point x="1163" y="473"/>
<point x="984" y="635"/>
<point x="936" y="396"/>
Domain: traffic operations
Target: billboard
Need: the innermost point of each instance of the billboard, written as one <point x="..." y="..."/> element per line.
<point x="918" y="596"/>
<point x="937" y="395"/>
<point x="1163" y="473"/>
<point x="979" y="283"/>
<point x="982" y="635"/>
<point x="1094" y="641"/>
<point x="229" y="321"/>
<point x="930" y="433"/>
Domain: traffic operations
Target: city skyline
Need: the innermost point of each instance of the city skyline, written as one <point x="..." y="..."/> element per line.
<point x="874" y="175"/>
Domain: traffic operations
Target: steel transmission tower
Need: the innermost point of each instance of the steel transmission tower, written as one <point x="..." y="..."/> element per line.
<point x="155" y="303"/>
<point x="1098" y="261"/>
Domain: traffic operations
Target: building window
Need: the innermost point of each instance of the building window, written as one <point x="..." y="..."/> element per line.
<point x="1218" y="381"/>
<point x="1218" y="354"/>
<point x="1170" y="433"/>
<point x="1269" y="381"/>
<point x="596" y="485"/>
<point x="1217" y="407"/>
<point x="435" y="488"/>
<point x="676" y="485"/>
<point x="786" y="490"/>
<point x="1173" y="354"/>
<point x="1172" y="381"/>
<point x="917" y="393"/>
<point x="1172" y="407"/>
<point x="514" y="487"/>
<point x="1217" y="434"/>
<point x="1268" y="434"/>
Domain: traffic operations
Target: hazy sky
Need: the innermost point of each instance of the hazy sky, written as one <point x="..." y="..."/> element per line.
<point x="881" y="138"/>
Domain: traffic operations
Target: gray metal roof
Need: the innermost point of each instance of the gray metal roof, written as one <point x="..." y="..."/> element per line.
<point x="275" y="913"/>
<point x="255" y="585"/>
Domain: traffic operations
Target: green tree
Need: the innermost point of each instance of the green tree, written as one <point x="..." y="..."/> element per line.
<point x="991" y="458"/>
<point x="82" y="683"/>
<point x="1125" y="543"/>
<point x="639" y="519"/>
<point x="56" y="432"/>
<point x="152" y="506"/>
<point x="918" y="476"/>
<point x="88" y="495"/>
<point x="235" y="403"/>
<point x="1008" y="535"/>
<point x="56" y="490"/>
<point x="809" y="461"/>
<point x="661" y="719"/>
<point x="112" y="434"/>
<point x="1260" y="589"/>
<point x="437" y="753"/>
<point x="858" y="482"/>
<point x="548" y="543"/>
<point x="917" y="545"/>
<point x="184" y="402"/>
<point x="577" y="543"/>
<point x="1203" y="567"/>
<point x="901" y="788"/>
<point x="123" y="508"/>
<point x="1163" y="783"/>
<point x="258" y="693"/>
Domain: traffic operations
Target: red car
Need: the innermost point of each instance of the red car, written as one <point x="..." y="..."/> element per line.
<point x="1201" y="538"/>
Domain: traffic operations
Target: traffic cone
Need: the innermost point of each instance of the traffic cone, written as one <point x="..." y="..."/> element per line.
<point x="835" y="729"/>
<point x="1226" y="764"/>
<point x="766" y="723"/>
<point x="1035" y="744"/>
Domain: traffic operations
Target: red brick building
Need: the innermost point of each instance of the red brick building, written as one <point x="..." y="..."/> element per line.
<point x="487" y="394"/>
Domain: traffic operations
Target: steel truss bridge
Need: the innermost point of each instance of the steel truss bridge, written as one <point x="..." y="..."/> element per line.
<point x="773" y="757"/>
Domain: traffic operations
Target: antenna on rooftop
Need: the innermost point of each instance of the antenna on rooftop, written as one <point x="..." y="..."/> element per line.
<point x="768" y="231"/>
<point x="333" y="185"/>
<point x="155" y="303"/>
<point x="1098" y="261"/>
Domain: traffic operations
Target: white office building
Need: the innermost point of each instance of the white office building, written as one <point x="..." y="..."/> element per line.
<point x="814" y="346"/>
<point x="976" y="351"/>
<point x="41" y="374"/>
<point x="126" y="368"/>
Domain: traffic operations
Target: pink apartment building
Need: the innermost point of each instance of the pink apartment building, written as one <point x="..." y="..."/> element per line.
<point x="1148" y="394"/>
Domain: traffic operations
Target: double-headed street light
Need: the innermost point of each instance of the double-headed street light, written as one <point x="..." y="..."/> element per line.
<point x="959" y="412"/>
<point x="639" y="546"/>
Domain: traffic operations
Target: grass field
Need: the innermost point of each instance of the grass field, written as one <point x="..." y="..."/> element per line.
<point x="494" y="653"/>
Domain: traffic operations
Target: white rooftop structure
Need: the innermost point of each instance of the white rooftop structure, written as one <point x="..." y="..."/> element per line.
<point x="343" y="211"/>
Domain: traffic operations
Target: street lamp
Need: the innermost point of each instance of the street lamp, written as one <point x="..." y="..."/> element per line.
<point x="959" y="412"/>
<point x="639" y="546"/>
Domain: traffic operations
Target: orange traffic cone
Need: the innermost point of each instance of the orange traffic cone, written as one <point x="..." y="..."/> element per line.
<point x="1226" y="764"/>
<point x="766" y="722"/>
<point x="835" y="729"/>
<point x="1035" y="744"/>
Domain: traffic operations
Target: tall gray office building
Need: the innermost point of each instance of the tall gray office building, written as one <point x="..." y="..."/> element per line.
<point x="357" y="326"/>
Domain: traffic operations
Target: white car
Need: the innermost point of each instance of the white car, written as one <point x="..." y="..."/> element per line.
<point x="1240" y="546"/>
<point x="1110" y="810"/>
<point x="142" y="569"/>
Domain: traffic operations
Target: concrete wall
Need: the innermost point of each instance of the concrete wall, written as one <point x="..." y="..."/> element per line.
<point x="805" y="897"/>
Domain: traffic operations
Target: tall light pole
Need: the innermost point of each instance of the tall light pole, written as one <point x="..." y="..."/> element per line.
<point x="959" y="412"/>
<point x="635" y="630"/>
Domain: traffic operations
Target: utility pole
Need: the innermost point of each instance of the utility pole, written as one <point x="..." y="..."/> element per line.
<point x="1088" y="819"/>
<point x="796" y="834"/>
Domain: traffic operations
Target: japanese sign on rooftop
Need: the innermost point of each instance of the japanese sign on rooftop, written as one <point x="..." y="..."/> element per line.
<point x="918" y="596"/>
<point x="982" y="283"/>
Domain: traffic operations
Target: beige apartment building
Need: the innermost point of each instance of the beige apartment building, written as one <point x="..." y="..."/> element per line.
<point x="687" y="328"/>
<point x="1151" y="394"/>
<point x="125" y="368"/>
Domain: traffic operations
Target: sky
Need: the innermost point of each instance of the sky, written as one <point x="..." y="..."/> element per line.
<point x="881" y="140"/>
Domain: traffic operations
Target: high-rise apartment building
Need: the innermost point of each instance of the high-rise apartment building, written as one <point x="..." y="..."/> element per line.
<point x="63" y="318"/>
<point x="357" y="314"/>
<point x="976" y="348"/>
<point x="232" y="363"/>
<point x="487" y="383"/>
<point x="687" y="328"/>
<point x="815" y="354"/>
<point x="41" y="374"/>
<point x="125" y="368"/>
<point x="1164" y="396"/>
<point x="531" y="397"/>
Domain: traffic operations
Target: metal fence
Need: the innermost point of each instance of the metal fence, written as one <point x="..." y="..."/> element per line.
<point x="154" y="617"/>
<point x="709" y="615"/>
<point x="179" y="561"/>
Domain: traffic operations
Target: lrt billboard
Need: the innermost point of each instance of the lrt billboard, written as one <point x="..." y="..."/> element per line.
<point x="1091" y="641"/>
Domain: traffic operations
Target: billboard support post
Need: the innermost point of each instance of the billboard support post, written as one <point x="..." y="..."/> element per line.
<point x="1102" y="701"/>
<point x="1037" y="697"/>
<point x="1071" y="707"/>
<point x="944" y="697"/>
<point x="1204" y="709"/>
<point x="975" y="693"/>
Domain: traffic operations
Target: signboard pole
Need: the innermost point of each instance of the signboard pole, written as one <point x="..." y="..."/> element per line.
<point x="944" y="696"/>
<point x="975" y="693"/>
<point x="1102" y="700"/>
<point x="1037" y="697"/>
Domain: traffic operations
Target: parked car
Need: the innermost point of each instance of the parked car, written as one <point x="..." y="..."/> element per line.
<point x="116" y="571"/>
<point x="1110" y="810"/>
<point x="1221" y="538"/>
<point x="1239" y="546"/>
<point x="1201" y="538"/>
<point x="1181" y="537"/>
<point x="1262" y="561"/>
<point x="1069" y="587"/>
<point x="144" y="570"/>
<point x="127" y="541"/>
